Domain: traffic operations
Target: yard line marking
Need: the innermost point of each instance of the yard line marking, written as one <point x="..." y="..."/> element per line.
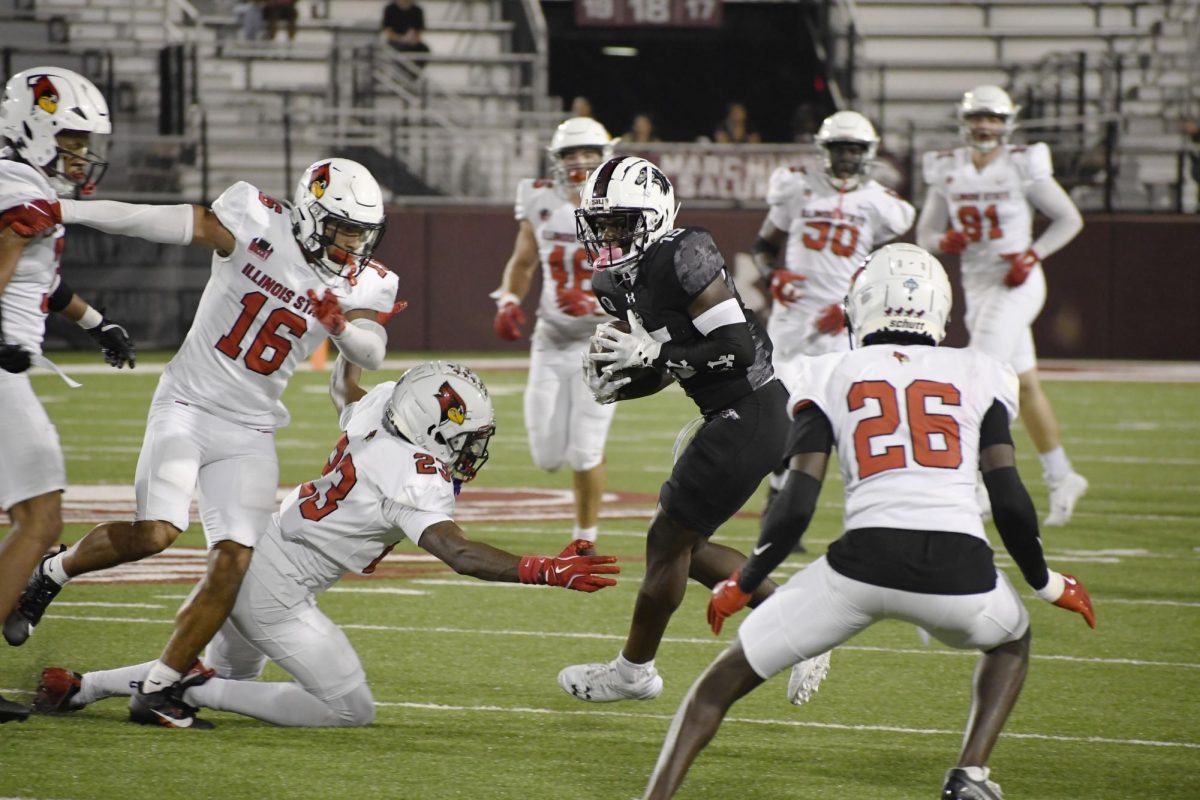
<point x="97" y="604"/>
<point x="791" y="723"/>
<point x="376" y="590"/>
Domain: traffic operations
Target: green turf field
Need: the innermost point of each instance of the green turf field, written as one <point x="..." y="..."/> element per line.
<point x="464" y="674"/>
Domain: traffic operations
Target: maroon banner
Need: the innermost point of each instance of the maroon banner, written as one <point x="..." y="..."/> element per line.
<point x="648" y="13"/>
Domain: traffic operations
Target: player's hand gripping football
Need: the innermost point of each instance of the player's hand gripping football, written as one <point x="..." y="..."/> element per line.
<point x="727" y="599"/>
<point x="832" y="320"/>
<point x="328" y="312"/>
<point x="786" y="287"/>
<point x="575" y="302"/>
<point x="569" y="569"/>
<point x="509" y="316"/>
<point x="1022" y="265"/>
<point x="602" y="385"/>
<point x="953" y="242"/>
<point x="1066" y="591"/>
<point x="619" y="350"/>
<point x="114" y="342"/>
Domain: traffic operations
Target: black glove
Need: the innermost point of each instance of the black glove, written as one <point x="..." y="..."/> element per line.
<point x="13" y="358"/>
<point x="114" y="342"/>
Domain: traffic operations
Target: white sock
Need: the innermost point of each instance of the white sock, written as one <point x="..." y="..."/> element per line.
<point x="1055" y="464"/>
<point x="54" y="570"/>
<point x="589" y="534"/>
<point x="109" y="683"/>
<point x="160" y="677"/>
<point x="630" y="671"/>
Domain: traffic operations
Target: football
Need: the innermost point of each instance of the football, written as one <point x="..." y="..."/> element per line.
<point x="642" y="379"/>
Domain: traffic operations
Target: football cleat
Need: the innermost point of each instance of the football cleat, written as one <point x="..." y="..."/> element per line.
<point x="55" y="691"/>
<point x="198" y="675"/>
<point x="12" y="712"/>
<point x="1064" y="494"/>
<point x="806" y="678"/>
<point x="32" y="604"/>
<point x="970" y="783"/>
<point x="165" y="708"/>
<point x="602" y="683"/>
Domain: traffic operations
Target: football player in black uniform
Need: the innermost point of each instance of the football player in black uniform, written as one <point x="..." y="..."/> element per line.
<point x="686" y="323"/>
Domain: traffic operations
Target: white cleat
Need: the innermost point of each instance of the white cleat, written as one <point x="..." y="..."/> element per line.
<point x="806" y="678"/>
<point x="602" y="683"/>
<point x="1064" y="494"/>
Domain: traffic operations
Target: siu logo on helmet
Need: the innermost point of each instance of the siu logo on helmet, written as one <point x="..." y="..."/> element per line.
<point x="320" y="180"/>
<point x="45" y="93"/>
<point x="453" y="407"/>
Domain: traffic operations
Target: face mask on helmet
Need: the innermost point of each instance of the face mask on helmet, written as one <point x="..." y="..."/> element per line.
<point x="625" y="207"/>
<point x="55" y="120"/>
<point x="338" y="217"/>
<point x="578" y="146"/>
<point x="987" y="118"/>
<point x="444" y="409"/>
<point x="900" y="290"/>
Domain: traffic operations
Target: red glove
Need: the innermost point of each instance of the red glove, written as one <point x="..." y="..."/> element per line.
<point x="328" y="311"/>
<point x="953" y="242"/>
<point x="832" y="320"/>
<point x="1073" y="596"/>
<point x="576" y="302"/>
<point x="32" y="218"/>
<point x="785" y="286"/>
<point x="569" y="569"/>
<point x="1022" y="265"/>
<point x="508" y="322"/>
<point x="383" y="316"/>
<point x="727" y="599"/>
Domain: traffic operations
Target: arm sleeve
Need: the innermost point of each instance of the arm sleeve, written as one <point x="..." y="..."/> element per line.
<point x="781" y="529"/>
<point x="935" y="216"/>
<point x="1016" y="520"/>
<point x="729" y="347"/>
<point x="162" y="224"/>
<point x="363" y="342"/>
<point x="1048" y="197"/>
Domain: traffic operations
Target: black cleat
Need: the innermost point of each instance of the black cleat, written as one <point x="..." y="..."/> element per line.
<point x="961" y="786"/>
<point x="55" y="691"/>
<point x="34" y="601"/>
<point x="165" y="708"/>
<point x="12" y="712"/>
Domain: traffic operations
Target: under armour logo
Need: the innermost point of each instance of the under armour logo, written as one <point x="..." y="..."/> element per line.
<point x="722" y="362"/>
<point x="730" y="413"/>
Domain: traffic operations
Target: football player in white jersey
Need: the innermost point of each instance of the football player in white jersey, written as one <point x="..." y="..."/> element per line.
<point x="978" y="205"/>
<point x="830" y="220"/>
<point x="280" y="279"/>
<point x="51" y="124"/>
<point x="911" y="422"/>
<point x="392" y="475"/>
<point x="564" y="423"/>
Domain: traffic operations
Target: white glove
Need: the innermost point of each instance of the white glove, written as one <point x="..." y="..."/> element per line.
<point x="620" y="350"/>
<point x="602" y="385"/>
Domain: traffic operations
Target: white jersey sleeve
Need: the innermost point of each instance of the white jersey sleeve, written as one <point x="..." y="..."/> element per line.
<point x="893" y="214"/>
<point x="785" y="191"/>
<point x="23" y="300"/>
<point x="374" y="289"/>
<point x="242" y="212"/>
<point x="526" y="192"/>
<point x="1033" y="162"/>
<point x="935" y="165"/>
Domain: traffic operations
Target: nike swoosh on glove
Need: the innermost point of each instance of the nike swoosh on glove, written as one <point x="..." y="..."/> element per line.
<point x="569" y="569"/>
<point x="1066" y="591"/>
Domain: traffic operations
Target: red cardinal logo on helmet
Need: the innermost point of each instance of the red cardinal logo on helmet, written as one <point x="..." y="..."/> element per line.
<point x="45" y="94"/>
<point x="453" y="407"/>
<point x="320" y="180"/>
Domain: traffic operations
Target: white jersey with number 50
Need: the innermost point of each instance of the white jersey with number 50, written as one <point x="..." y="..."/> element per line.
<point x="907" y="420"/>
<point x="376" y="490"/>
<point x="989" y="206"/>
<point x="564" y="262"/>
<point x="255" y="323"/>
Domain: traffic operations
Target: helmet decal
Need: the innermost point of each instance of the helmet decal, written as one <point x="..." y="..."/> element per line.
<point x="656" y="177"/>
<point x="452" y="405"/>
<point x="604" y="177"/>
<point x="45" y="93"/>
<point x="320" y="180"/>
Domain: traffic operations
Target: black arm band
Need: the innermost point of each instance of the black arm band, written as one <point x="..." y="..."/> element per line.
<point x="729" y="347"/>
<point x="1016" y="520"/>
<point x="783" y="526"/>
<point x="60" y="297"/>
<point x="810" y="433"/>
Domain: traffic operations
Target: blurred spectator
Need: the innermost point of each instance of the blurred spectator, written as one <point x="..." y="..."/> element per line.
<point x="250" y="17"/>
<point x="641" y="130"/>
<point x="582" y="107"/>
<point x="403" y="23"/>
<point x="736" y="128"/>
<point x="276" y="11"/>
<point x="806" y="121"/>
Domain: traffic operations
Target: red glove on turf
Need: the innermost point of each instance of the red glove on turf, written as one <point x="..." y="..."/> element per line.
<point x="1022" y="265"/>
<point x="569" y="570"/>
<point x="785" y="286"/>
<point x="953" y="242"/>
<point x="1073" y="596"/>
<point x="727" y="599"/>
<point x="509" y="319"/>
<point x="328" y="311"/>
<point x="576" y="302"/>
<point x="832" y="320"/>
<point x="32" y="218"/>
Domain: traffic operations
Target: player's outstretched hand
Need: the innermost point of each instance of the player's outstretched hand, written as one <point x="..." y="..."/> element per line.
<point x="953" y="242"/>
<point x="1066" y="591"/>
<point x="14" y="358"/>
<point x="114" y="342"/>
<point x="569" y="569"/>
<point x="328" y="311"/>
<point x="832" y="320"/>
<point x="727" y="599"/>
<point x="575" y="302"/>
<point x="509" y="317"/>
<point x="786" y="287"/>
<point x="383" y="316"/>
<point x="1022" y="265"/>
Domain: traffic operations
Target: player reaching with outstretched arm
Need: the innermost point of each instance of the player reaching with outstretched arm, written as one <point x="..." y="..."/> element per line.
<point x="978" y="205"/>
<point x="911" y="422"/>
<point x="51" y="124"/>
<point x="280" y="280"/>
<point x="405" y="447"/>
<point x="564" y="423"/>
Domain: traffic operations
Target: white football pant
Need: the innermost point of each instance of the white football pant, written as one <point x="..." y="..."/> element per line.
<point x="564" y="422"/>
<point x="31" y="459"/>
<point x="1000" y="319"/>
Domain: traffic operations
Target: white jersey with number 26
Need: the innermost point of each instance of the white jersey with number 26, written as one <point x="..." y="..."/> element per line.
<point x="907" y="420"/>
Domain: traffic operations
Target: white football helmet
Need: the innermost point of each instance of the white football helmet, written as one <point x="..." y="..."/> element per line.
<point x="854" y="128"/>
<point x="444" y="409"/>
<point x="43" y="102"/>
<point x="992" y="101"/>
<point x="900" y="289"/>
<point x="574" y="134"/>
<point x="625" y="207"/>
<point x="337" y="216"/>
